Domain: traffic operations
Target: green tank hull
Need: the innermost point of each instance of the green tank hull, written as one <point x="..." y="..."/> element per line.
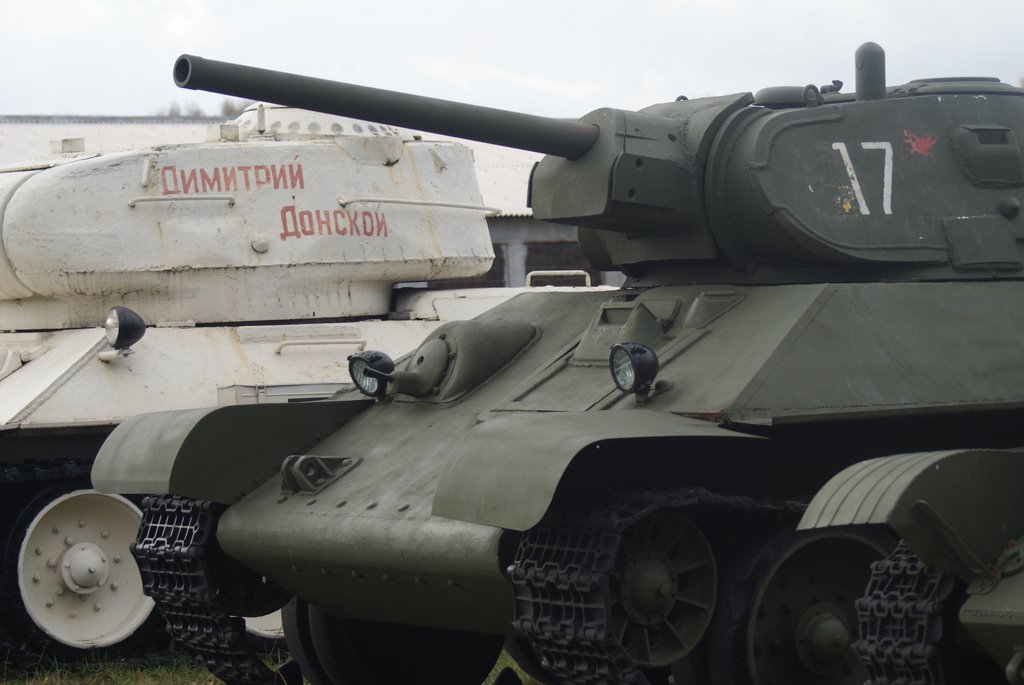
<point x="608" y="483"/>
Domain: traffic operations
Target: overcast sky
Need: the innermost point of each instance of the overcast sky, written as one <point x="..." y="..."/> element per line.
<point x="553" y="57"/>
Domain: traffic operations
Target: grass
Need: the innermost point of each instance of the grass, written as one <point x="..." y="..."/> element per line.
<point x="113" y="674"/>
<point x="167" y="674"/>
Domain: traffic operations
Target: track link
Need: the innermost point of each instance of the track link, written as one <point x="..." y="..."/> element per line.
<point x="901" y="620"/>
<point x="566" y="599"/>
<point x="179" y="558"/>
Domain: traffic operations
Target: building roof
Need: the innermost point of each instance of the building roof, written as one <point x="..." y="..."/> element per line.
<point x="503" y="173"/>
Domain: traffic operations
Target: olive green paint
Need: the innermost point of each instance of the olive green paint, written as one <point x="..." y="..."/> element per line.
<point x="187" y="453"/>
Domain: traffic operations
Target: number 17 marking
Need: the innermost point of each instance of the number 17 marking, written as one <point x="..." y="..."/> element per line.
<point x="886" y="176"/>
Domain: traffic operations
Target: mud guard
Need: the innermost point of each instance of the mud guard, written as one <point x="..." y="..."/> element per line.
<point x="933" y="501"/>
<point x="214" y="454"/>
<point x="483" y="485"/>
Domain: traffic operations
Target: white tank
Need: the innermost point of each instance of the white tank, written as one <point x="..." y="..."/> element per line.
<point x="315" y="217"/>
<point x="258" y="261"/>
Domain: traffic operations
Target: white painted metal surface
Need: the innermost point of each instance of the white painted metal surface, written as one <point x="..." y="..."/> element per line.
<point x="502" y="172"/>
<point x="67" y="384"/>
<point x="76" y="578"/>
<point x="237" y="230"/>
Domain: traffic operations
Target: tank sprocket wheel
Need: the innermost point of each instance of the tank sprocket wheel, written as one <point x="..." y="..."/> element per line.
<point x="620" y="588"/>
<point x="667" y="583"/>
<point x="787" y="613"/>
<point x="72" y="590"/>
<point x="342" y="651"/>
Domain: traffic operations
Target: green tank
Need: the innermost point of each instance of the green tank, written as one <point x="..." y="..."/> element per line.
<point x="608" y="482"/>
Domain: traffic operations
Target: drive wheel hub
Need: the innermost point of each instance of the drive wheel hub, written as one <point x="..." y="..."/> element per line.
<point x="649" y="590"/>
<point x="85" y="568"/>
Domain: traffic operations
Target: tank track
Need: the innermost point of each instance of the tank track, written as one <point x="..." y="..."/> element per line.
<point x="565" y="599"/>
<point x="178" y="556"/>
<point x="901" y="619"/>
<point x="37" y="472"/>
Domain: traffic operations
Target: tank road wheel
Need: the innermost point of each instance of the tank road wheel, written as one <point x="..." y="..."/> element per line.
<point x="265" y="632"/>
<point x="71" y="585"/>
<point x="340" y="651"/>
<point x="787" y="615"/>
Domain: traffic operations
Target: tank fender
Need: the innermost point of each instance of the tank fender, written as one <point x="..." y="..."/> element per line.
<point x="957" y="509"/>
<point x="512" y="486"/>
<point x="215" y="454"/>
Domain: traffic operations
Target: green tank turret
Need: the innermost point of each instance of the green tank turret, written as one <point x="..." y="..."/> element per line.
<point x="609" y="483"/>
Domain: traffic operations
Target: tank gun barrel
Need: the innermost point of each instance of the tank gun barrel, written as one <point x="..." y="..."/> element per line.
<point x="551" y="136"/>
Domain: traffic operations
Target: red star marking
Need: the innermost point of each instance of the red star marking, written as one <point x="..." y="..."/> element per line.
<point x="919" y="145"/>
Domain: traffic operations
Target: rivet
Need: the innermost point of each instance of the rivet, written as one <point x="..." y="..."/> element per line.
<point x="341" y="503"/>
<point x="92" y="569"/>
<point x="60" y="591"/>
<point x="259" y="244"/>
<point x="73" y="614"/>
<point x="1010" y="208"/>
<point x="113" y="587"/>
<point x="52" y="563"/>
<point x="282" y="499"/>
<point x="371" y="505"/>
<point x="49" y="603"/>
<point x="117" y="558"/>
<point x="105" y="534"/>
<point x="404" y="507"/>
<point x="312" y="501"/>
<point x="39" y="551"/>
<point x="35" y="579"/>
<point x="81" y="523"/>
<point x="56" y="530"/>
<point x="69" y="541"/>
<point x="67" y="564"/>
<point x="96" y="607"/>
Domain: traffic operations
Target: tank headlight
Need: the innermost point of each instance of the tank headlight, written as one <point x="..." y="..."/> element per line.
<point x="370" y="371"/>
<point x="124" y="328"/>
<point x="633" y="367"/>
